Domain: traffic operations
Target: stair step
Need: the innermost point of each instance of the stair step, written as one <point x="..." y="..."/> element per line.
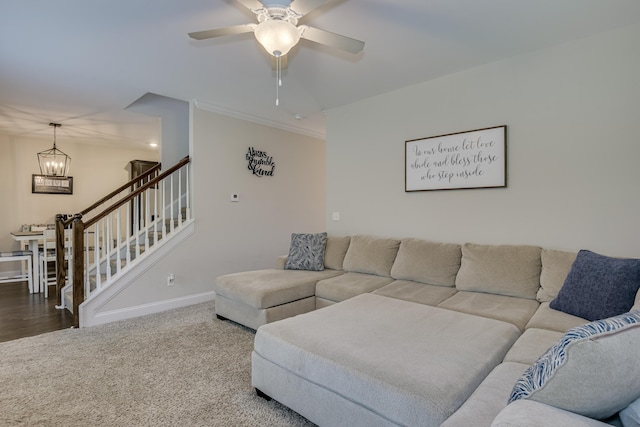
<point x="68" y="294"/>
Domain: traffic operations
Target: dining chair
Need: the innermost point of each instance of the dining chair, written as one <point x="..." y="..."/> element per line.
<point x="47" y="261"/>
<point x="22" y="256"/>
<point x="48" y="258"/>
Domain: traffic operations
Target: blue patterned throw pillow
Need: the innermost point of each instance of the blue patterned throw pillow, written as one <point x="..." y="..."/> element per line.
<point x="592" y="370"/>
<point x="306" y="252"/>
<point x="598" y="287"/>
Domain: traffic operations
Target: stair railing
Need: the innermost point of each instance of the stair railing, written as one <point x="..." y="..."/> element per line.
<point x="115" y="232"/>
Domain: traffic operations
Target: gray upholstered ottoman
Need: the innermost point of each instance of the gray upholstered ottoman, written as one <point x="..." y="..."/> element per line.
<point x="331" y="367"/>
<point x="253" y="298"/>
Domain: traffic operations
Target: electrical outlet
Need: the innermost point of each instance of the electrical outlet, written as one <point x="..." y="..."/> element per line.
<point x="171" y="279"/>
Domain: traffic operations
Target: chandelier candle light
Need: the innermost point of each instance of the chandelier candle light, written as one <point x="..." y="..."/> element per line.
<point x="54" y="162"/>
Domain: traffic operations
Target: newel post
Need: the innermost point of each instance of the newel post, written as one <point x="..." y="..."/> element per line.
<point x="78" y="267"/>
<point x="61" y="267"/>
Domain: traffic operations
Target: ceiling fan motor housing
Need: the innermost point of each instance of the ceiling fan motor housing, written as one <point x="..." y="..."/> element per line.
<point x="277" y="13"/>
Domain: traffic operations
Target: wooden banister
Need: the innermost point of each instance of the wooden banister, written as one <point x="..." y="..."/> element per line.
<point x="120" y="189"/>
<point x="78" y="226"/>
<point x="138" y="191"/>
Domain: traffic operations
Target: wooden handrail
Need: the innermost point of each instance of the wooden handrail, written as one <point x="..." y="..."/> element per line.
<point x="140" y="190"/>
<point x="121" y="188"/>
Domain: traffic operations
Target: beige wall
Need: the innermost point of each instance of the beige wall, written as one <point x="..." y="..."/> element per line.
<point x="573" y="152"/>
<point x="236" y="236"/>
<point x="96" y="170"/>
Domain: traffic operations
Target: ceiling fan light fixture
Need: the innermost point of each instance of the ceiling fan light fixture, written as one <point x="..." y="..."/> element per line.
<point x="277" y="36"/>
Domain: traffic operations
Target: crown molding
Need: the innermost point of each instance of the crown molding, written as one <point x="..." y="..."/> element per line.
<point x="204" y="105"/>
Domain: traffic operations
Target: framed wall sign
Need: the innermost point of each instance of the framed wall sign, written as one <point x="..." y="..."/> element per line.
<point x="463" y="160"/>
<point x="51" y="184"/>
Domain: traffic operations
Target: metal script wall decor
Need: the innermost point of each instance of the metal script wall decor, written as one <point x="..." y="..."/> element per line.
<point x="260" y="163"/>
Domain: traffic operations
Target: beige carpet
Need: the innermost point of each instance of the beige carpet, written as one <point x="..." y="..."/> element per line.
<point x="179" y="368"/>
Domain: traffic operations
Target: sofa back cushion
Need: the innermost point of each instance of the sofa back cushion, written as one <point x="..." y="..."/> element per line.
<point x="555" y="267"/>
<point x="371" y="255"/>
<point x="427" y="262"/>
<point x="511" y="270"/>
<point x="335" y="252"/>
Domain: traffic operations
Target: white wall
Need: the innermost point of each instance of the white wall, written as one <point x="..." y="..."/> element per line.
<point x="174" y="119"/>
<point x="96" y="170"/>
<point x="230" y="236"/>
<point x="573" y="152"/>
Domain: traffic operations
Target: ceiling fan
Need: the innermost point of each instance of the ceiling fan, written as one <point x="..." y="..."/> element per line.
<point x="277" y="29"/>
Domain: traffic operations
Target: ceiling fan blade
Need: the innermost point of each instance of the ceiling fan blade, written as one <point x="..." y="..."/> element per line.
<point x="332" y="39"/>
<point x="251" y="4"/>
<point x="219" y="32"/>
<point x="303" y="7"/>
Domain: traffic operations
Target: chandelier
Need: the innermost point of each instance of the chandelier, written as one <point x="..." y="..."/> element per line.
<point x="54" y="162"/>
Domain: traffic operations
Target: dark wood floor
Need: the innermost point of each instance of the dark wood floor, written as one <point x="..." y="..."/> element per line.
<point x="23" y="314"/>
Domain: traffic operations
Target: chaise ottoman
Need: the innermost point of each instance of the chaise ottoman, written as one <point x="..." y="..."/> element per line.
<point x="331" y="366"/>
<point x="253" y="298"/>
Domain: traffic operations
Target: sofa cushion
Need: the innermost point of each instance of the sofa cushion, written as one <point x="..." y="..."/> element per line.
<point x="598" y="286"/>
<point x="270" y="287"/>
<point x="371" y="255"/>
<point x="555" y="268"/>
<point x="427" y="262"/>
<point x="511" y="270"/>
<point x="489" y="398"/>
<point x="348" y="285"/>
<point x="554" y="320"/>
<point x="516" y="311"/>
<point x="527" y="413"/>
<point x="630" y="416"/>
<point x="306" y="252"/>
<point x="532" y="344"/>
<point x="416" y="292"/>
<point x="593" y="370"/>
<point x="335" y="251"/>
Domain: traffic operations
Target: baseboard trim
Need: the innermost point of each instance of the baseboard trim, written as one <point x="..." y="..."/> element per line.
<point x="146" y="309"/>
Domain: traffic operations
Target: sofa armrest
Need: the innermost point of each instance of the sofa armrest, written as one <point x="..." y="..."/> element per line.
<point x="281" y="261"/>
<point x="528" y="413"/>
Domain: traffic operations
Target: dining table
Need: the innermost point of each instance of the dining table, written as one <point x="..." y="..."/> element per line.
<point x="31" y="239"/>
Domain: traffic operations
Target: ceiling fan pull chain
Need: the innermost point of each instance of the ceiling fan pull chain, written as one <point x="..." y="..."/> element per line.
<point x="278" y="79"/>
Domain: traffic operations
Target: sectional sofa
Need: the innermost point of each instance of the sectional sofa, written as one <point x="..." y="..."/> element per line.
<point x="372" y="331"/>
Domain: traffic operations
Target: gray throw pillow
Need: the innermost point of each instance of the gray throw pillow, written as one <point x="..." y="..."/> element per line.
<point x="306" y="252"/>
<point x="592" y="370"/>
<point x="598" y="287"/>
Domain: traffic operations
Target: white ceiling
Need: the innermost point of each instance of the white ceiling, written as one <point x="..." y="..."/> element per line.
<point x="81" y="63"/>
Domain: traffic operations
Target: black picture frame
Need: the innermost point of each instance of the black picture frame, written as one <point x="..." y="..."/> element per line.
<point x="44" y="184"/>
<point x="456" y="161"/>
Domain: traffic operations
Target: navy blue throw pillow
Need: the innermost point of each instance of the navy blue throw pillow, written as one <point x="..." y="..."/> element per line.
<point x="598" y="287"/>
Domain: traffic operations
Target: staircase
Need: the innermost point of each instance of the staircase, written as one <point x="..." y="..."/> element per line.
<point x="101" y="244"/>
